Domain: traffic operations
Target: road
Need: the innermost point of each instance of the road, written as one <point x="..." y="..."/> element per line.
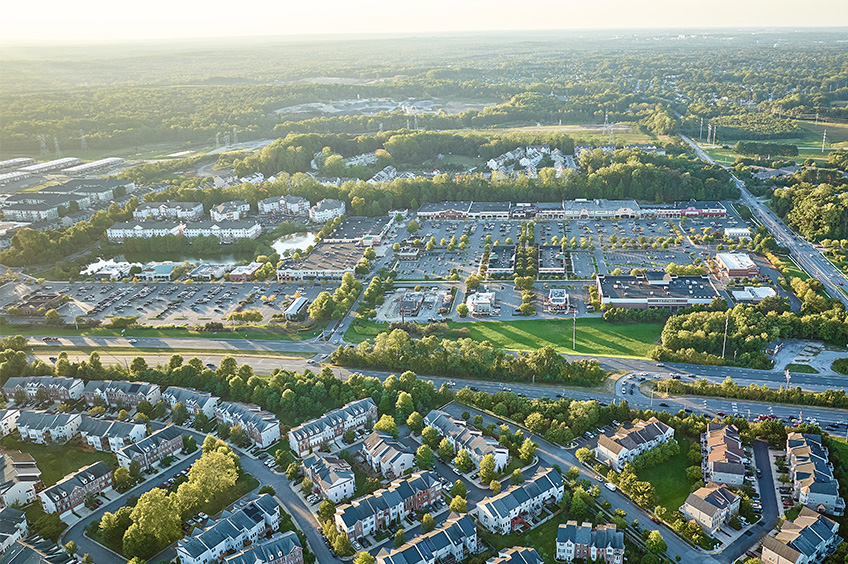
<point x="804" y="253"/>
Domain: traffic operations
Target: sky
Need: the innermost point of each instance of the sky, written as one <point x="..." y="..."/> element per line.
<point x="110" y="20"/>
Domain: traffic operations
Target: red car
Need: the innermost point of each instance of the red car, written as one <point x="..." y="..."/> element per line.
<point x="655" y="520"/>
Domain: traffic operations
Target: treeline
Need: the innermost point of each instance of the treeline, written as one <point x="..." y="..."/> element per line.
<point x="816" y="211"/>
<point x="397" y="350"/>
<point x="730" y="389"/>
<point x="767" y="149"/>
<point x="739" y="124"/>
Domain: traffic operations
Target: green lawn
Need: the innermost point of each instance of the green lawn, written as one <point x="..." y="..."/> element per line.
<point x="57" y="461"/>
<point x="802" y="368"/>
<point x="594" y="336"/>
<point x="542" y="538"/>
<point x="177" y="333"/>
<point x="244" y="485"/>
<point x="669" y="478"/>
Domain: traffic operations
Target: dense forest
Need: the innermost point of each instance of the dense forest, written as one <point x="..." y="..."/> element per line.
<point x="131" y="96"/>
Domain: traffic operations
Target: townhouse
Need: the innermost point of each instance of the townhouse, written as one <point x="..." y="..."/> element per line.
<point x="812" y="473"/>
<point x="143" y="230"/>
<point x="332" y="477"/>
<point x="355" y="416"/>
<point x="152" y="449"/>
<point x="505" y="512"/>
<point x="619" y="448"/>
<point x="260" y="426"/>
<point x="724" y="456"/>
<point x="589" y="545"/>
<point x="19" y="477"/>
<point x="44" y="428"/>
<point x="386" y="455"/>
<point x="8" y="420"/>
<point x="806" y="540"/>
<point x="452" y="541"/>
<point x="325" y="210"/>
<point x="287" y="205"/>
<point x="224" y="231"/>
<point x="457" y="432"/>
<point x="516" y="555"/>
<point x="192" y="211"/>
<point x="13" y="527"/>
<point x="110" y="436"/>
<point x="119" y="393"/>
<point x="71" y="491"/>
<point x="233" y="531"/>
<point x="711" y="506"/>
<point x="58" y="389"/>
<point x="372" y="513"/>
<point x="282" y="548"/>
<point x="195" y="401"/>
<point x="229" y="211"/>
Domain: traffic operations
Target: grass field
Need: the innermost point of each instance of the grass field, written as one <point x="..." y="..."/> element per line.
<point x="801" y="368"/>
<point x="594" y="335"/>
<point x="542" y="538"/>
<point x="669" y="478"/>
<point x="57" y="461"/>
<point x="178" y="333"/>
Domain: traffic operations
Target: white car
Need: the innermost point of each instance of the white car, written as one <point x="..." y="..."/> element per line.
<point x="610" y="486"/>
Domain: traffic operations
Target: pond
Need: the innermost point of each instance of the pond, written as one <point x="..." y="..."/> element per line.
<point x="293" y="242"/>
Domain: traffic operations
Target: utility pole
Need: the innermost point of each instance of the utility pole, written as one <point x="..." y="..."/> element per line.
<point x="724" y="342"/>
<point x="574" y="332"/>
<point x="788" y="377"/>
<point x="824" y="138"/>
<point x="701" y="131"/>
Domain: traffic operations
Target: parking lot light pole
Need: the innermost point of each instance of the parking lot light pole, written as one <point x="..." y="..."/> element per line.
<point x="574" y="331"/>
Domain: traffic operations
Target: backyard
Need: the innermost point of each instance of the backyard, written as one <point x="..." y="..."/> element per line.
<point x="671" y="487"/>
<point x="57" y="461"/>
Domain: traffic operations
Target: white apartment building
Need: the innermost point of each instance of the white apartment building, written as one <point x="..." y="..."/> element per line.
<point x="143" y="230"/>
<point x="333" y="477"/>
<point x="224" y="231"/>
<point x="711" y="506"/>
<point x="461" y="436"/>
<point x="260" y="426"/>
<point x="504" y="511"/>
<point x="44" y="428"/>
<point x="624" y="445"/>
<point x="169" y="210"/>
<point x="354" y="416"/>
<point x="229" y="211"/>
<point x="386" y="455"/>
<point x="325" y="210"/>
<point x="193" y="400"/>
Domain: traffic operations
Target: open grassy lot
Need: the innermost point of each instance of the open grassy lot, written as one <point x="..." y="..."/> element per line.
<point x="669" y="478"/>
<point x="595" y="337"/>
<point x="177" y="333"/>
<point x="802" y="368"/>
<point x="542" y="538"/>
<point x="57" y="461"/>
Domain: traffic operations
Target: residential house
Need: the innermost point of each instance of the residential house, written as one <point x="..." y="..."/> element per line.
<point x="110" y="436"/>
<point x="58" y="389"/>
<point x="452" y="541"/>
<point x="711" y="506"/>
<point x="461" y="436"/>
<point x="386" y="455"/>
<point x="505" y="511"/>
<point x="43" y="428"/>
<point x="619" y="448"/>
<point x="8" y="420"/>
<point x="516" y="555"/>
<point x="812" y="473"/>
<point x="589" y="545"/>
<point x="150" y="450"/>
<point x="325" y="210"/>
<point x="260" y="426"/>
<point x="229" y="211"/>
<point x="725" y="459"/>
<point x="193" y="400"/>
<point x="806" y="540"/>
<point x="374" y="512"/>
<point x="13" y="527"/>
<point x="354" y="416"/>
<point x="282" y="548"/>
<point x="333" y="477"/>
<point x="72" y="490"/>
<point x="119" y="393"/>
<point x="235" y="530"/>
<point x="19" y="477"/>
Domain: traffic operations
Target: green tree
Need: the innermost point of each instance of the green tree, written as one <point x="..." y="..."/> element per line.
<point x="458" y="489"/>
<point x="342" y="544"/>
<point x="516" y="477"/>
<point x="495" y="486"/>
<point x="487" y="468"/>
<point x="404" y="406"/>
<point x="415" y="422"/>
<point x="463" y="461"/>
<point x="179" y="413"/>
<point x="655" y="543"/>
<point x="387" y="424"/>
<point x="445" y="449"/>
<point x="430" y="436"/>
<point x="427" y="523"/>
<point x="71" y="548"/>
<point x="400" y="538"/>
<point x="459" y="505"/>
<point x="424" y="457"/>
<point x="527" y="451"/>
<point x="364" y="558"/>
<point x="462" y="309"/>
<point x="326" y="510"/>
<point x="583" y="454"/>
<point x="306" y="486"/>
<point x="573" y="473"/>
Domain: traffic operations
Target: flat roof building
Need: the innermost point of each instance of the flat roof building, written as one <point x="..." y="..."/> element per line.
<point x="655" y="289"/>
<point x="736" y="264"/>
<point x="57" y="164"/>
<point x="501" y="260"/>
<point x="444" y="210"/>
<point x="327" y="261"/>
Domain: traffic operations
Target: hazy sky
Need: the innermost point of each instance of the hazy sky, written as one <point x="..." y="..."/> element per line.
<point x="43" y="20"/>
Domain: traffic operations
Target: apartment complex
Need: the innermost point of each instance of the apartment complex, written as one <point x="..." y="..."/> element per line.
<point x="152" y="449"/>
<point x="195" y="401"/>
<point x="589" y="545"/>
<point x="619" y="448"/>
<point x="282" y="548"/>
<point x="374" y="512"/>
<point x="325" y="210"/>
<point x="725" y="458"/>
<point x="169" y="210"/>
<point x="711" y="506"/>
<point x="452" y="541"/>
<point x="806" y="540"/>
<point x="260" y="426"/>
<point x="516" y="555"/>
<point x="506" y="511"/>
<point x="57" y="389"/>
<point x="462" y="437"/>
<point x="70" y="492"/>
<point x="812" y="473"/>
<point x="8" y="420"/>
<point x="120" y="393"/>
<point x="110" y="436"/>
<point x="332" y="477"/>
<point x="386" y="455"/>
<point x="44" y="428"/>
<point x="19" y="477"/>
<point x="354" y="416"/>
<point x="287" y="205"/>
<point x="229" y="211"/>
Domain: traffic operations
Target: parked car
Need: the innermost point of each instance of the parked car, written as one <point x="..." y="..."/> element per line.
<point x="610" y="486"/>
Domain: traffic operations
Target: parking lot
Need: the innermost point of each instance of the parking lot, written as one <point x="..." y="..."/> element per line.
<point x="179" y="304"/>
